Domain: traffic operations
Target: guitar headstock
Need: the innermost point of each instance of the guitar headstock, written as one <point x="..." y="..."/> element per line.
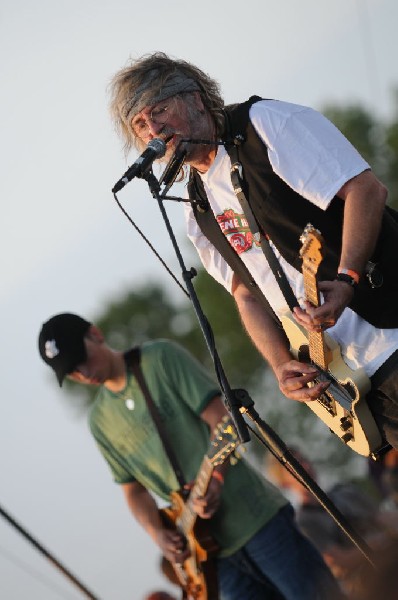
<point x="224" y="443"/>
<point x="311" y="250"/>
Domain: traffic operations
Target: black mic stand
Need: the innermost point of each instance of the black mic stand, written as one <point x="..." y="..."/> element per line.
<point x="232" y="405"/>
<point x="238" y="401"/>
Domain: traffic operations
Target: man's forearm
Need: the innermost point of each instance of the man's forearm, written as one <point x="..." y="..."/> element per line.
<point x="365" y="199"/>
<point x="269" y="339"/>
<point x="143" y="507"/>
<point x="293" y="376"/>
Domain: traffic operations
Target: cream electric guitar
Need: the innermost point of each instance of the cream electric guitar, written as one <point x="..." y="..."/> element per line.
<point x="342" y="407"/>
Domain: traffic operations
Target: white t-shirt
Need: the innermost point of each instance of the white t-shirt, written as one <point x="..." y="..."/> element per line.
<point x="324" y="160"/>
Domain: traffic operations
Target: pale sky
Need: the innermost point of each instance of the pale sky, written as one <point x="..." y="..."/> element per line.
<point x="65" y="246"/>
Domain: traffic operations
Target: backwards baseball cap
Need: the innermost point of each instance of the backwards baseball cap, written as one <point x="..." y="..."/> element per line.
<point x="61" y="343"/>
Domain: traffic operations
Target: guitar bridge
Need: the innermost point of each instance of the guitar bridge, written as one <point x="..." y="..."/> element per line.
<point x="328" y="403"/>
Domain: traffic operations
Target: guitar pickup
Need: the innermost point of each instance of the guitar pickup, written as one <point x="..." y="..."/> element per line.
<point x="338" y="392"/>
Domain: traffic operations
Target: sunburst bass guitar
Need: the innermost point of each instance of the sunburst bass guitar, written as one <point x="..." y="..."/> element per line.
<point x="197" y="575"/>
<point x="342" y="407"/>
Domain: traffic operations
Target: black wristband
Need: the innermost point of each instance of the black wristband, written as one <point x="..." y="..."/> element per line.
<point x="347" y="278"/>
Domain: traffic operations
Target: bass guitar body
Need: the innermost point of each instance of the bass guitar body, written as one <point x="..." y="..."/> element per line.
<point x="342" y="406"/>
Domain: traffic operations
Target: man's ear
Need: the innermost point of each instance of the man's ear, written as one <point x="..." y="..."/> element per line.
<point x="95" y="335"/>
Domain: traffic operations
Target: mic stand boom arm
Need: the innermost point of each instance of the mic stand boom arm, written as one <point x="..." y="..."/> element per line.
<point x="238" y="402"/>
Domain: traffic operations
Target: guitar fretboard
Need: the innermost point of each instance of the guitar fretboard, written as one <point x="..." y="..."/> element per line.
<point x="186" y="520"/>
<point x="316" y="341"/>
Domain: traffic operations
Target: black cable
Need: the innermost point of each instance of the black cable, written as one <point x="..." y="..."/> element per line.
<point x="47" y="554"/>
<point x="17" y="562"/>
<point x="156" y="253"/>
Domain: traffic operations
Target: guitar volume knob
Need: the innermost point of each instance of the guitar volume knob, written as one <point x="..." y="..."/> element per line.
<point x="347" y="437"/>
<point x="345" y="423"/>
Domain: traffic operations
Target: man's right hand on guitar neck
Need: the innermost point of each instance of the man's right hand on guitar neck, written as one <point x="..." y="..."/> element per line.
<point x="172" y="544"/>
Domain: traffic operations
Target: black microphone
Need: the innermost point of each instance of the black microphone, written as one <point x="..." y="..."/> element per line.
<point x="156" y="148"/>
<point x="172" y="169"/>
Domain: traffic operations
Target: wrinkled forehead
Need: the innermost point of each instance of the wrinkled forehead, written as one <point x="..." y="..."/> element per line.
<point x="150" y="92"/>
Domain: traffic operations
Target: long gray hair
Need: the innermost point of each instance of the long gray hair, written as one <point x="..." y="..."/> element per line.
<point x="155" y="77"/>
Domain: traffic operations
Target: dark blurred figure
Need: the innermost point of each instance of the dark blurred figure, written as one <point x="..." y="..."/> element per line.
<point x="389" y="480"/>
<point x="382" y="582"/>
<point x="389" y="504"/>
<point x="359" y="508"/>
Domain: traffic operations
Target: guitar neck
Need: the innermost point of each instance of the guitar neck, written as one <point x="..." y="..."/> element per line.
<point x="316" y="341"/>
<point x="186" y="520"/>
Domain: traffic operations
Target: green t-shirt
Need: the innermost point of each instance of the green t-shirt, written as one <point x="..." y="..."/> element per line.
<point x="128" y="439"/>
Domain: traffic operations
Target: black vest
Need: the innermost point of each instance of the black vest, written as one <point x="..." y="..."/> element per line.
<point x="283" y="214"/>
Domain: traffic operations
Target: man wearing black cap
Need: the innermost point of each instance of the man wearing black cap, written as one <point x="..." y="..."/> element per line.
<point x="260" y="548"/>
<point x="61" y="343"/>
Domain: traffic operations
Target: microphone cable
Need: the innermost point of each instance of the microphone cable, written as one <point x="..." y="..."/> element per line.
<point x="178" y="157"/>
<point x="155" y="252"/>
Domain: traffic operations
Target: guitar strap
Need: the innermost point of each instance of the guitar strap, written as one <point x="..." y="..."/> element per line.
<point x="237" y="184"/>
<point x="132" y="360"/>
